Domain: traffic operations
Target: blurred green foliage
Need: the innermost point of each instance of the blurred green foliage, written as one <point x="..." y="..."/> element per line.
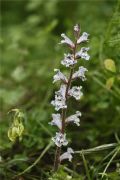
<point x="29" y="40"/>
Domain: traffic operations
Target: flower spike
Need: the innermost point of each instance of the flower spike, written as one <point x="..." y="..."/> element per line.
<point x="67" y="90"/>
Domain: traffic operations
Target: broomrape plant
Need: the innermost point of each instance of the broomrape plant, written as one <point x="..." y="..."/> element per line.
<point x="66" y="91"/>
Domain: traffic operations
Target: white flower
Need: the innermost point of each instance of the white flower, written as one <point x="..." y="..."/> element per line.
<point x="67" y="155"/>
<point x="56" y="120"/>
<point x="60" y="139"/>
<point x="75" y="92"/>
<point x="59" y="76"/>
<point x="74" y="118"/>
<point x="60" y="100"/>
<point x="77" y="28"/>
<point x="68" y="60"/>
<point x="83" y="53"/>
<point x="83" y="38"/>
<point x="62" y="90"/>
<point x="67" y="41"/>
<point x="80" y="73"/>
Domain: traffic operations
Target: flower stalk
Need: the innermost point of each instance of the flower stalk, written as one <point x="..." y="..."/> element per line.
<point x="65" y="92"/>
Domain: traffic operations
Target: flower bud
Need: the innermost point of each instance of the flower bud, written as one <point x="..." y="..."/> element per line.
<point x="15" y="131"/>
<point x="77" y="30"/>
<point x="17" y="128"/>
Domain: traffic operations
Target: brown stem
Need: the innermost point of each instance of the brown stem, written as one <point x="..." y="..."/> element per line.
<point x="66" y="95"/>
<point x="57" y="158"/>
<point x="58" y="149"/>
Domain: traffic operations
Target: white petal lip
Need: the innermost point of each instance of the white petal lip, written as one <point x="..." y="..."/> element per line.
<point x="68" y="60"/>
<point x="59" y="103"/>
<point x="80" y="73"/>
<point x="83" y="38"/>
<point x="70" y="150"/>
<point x="60" y="100"/>
<point x="74" y="118"/>
<point x="56" y="121"/>
<point x="75" y="91"/>
<point x="83" y="53"/>
<point x="59" y="76"/>
<point x="60" y="139"/>
<point x="63" y="90"/>
<point x="67" y="41"/>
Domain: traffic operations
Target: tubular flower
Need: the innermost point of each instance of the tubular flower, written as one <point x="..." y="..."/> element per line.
<point x="76" y="92"/>
<point x="60" y="100"/>
<point x="67" y="155"/>
<point x="56" y="120"/>
<point x="67" y="41"/>
<point x="68" y="60"/>
<point x="83" y="53"/>
<point x="83" y="38"/>
<point x="60" y="139"/>
<point x="59" y="76"/>
<point x="80" y="73"/>
<point x="74" y="118"/>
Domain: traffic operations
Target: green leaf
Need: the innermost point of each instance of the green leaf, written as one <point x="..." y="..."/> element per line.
<point x="110" y="65"/>
<point x="110" y="82"/>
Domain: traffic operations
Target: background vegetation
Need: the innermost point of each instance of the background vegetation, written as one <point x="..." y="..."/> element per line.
<point x="29" y="40"/>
